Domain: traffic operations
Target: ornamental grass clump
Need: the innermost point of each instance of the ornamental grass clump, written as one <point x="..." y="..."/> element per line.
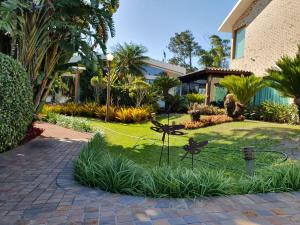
<point x="185" y="183"/>
<point x="95" y="167"/>
<point x="280" y="178"/>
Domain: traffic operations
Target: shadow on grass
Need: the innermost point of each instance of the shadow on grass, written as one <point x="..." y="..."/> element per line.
<point x="223" y="151"/>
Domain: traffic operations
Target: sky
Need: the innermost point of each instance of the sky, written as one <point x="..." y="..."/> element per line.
<point x="152" y="22"/>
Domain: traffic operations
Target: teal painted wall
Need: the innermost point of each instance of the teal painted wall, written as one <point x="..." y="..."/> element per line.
<point x="269" y="94"/>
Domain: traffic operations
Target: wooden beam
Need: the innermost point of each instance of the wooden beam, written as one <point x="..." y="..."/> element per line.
<point x="77" y="88"/>
<point x="208" y="90"/>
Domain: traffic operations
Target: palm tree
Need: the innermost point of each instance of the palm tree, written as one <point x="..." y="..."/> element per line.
<point x="243" y="88"/>
<point x="286" y="77"/>
<point x="163" y="84"/>
<point x="129" y="59"/>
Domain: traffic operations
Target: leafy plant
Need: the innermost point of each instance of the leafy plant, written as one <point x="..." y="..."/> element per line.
<point x="243" y="88"/>
<point x="16" y="107"/>
<point x="195" y="98"/>
<point x="285" y="77"/>
<point x="120" y="114"/>
<point x="283" y="178"/>
<point x="210" y="121"/>
<point x="45" y="35"/>
<point x="138" y="90"/>
<point x="185" y="183"/>
<point x="272" y="112"/>
<point x="69" y="122"/>
<point x="208" y="109"/>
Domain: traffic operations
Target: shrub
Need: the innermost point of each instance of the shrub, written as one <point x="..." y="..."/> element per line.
<point x="78" y="124"/>
<point x="95" y="167"/>
<point x="281" y="178"/>
<point x="16" y="103"/>
<point x="122" y="114"/>
<point x="195" y="98"/>
<point x="210" y="121"/>
<point x="272" y="112"/>
<point x="184" y="183"/>
<point x="208" y="109"/>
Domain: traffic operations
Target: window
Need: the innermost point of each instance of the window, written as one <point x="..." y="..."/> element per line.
<point x="239" y="43"/>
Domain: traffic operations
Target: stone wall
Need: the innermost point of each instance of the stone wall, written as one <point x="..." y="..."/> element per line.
<point x="272" y="30"/>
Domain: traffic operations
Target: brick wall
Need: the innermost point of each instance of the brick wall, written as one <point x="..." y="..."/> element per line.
<point x="272" y="30"/>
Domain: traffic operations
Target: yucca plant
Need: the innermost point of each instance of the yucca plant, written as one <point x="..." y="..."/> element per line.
<point x="285" y="77"/>
<point x="243" y="88"/>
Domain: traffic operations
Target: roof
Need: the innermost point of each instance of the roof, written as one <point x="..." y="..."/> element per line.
<point x="166" y="66"/>
<point x="237" y="11"/>
<point x="213" y="71"/>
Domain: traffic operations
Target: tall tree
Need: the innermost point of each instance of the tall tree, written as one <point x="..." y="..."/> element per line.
<point x="286" y="77"/>
<point x="45" y="34"/>
<point x="218" y="54"/>
<point x="184" y="47"/>
<point x="129" y="59"/>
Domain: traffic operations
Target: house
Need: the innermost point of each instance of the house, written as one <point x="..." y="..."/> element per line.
<point x="154" y="68"/>
<point x="206" y="81"/>
<point x="262" y="32"/>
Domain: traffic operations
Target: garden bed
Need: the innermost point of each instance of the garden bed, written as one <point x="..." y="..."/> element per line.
<point x="206" y="121"/>
<point x="126" y="160"/>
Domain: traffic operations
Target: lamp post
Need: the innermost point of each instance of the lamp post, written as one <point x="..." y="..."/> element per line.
<point x="109" y="59"/>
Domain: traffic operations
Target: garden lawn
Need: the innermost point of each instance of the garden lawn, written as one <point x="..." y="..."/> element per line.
<point x="139" y="143"/>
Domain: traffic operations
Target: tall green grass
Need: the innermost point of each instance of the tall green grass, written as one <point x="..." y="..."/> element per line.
<point x="96" y="167"/>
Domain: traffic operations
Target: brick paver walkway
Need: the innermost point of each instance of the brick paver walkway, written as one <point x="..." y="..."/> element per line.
<point x="37" y="187"/>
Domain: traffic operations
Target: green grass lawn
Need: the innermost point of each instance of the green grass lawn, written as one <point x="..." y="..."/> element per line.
<point x="142" y="145"/>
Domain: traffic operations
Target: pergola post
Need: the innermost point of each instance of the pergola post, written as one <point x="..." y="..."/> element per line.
<point x="208" y="89"/>
<point x="77" y="88"/>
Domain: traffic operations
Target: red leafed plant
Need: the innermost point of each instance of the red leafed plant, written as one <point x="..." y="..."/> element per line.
<point x="32" y="133"/>
<point x="210" y="121"/>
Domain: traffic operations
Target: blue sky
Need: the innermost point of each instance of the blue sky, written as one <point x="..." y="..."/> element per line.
<point x="153" y="22"/>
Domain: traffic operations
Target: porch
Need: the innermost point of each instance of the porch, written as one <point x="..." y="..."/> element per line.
<point x="207" y="81"/>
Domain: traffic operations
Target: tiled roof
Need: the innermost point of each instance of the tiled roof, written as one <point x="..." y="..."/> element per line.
<point x="213" y="71"/>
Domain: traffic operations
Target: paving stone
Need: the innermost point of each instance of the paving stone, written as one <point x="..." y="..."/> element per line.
<point x="38" y="188"/>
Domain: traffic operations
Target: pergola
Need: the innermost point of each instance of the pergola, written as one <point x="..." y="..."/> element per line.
<point x="210" y="77"/>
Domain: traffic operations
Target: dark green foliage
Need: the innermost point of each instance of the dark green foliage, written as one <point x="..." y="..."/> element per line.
<point x="184" y="47"/>
<point x="185" y="183"/>
<point x="272" y="112"/>
<point x="218" y="55"/>
<point x="195" y="98"/>
<point x="86" y="90"/>
<point x="16" y="103"/>
<point x="276" y="179"/>
<point x="97" y="167"/>
<point x="285" y="77"/>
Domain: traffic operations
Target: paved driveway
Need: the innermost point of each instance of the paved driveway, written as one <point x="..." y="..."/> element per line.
<point x="37" y="187"/>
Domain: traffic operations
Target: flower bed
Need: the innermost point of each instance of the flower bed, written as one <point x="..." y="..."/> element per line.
<point x="210" y="121"/>
<point x="118" y="114"/>
<point x="97" y="167"/>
